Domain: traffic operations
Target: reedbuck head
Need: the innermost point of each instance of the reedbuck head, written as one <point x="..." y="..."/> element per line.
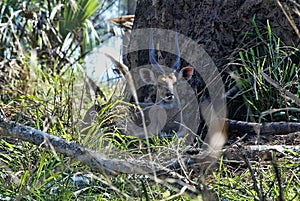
<point x="166" y="80"/>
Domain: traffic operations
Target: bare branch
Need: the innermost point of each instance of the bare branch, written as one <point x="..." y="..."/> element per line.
<point x="289" y="18"/>
<point x="94" y="160"/>
<point x="283" y="91"/>
<point x="262" y="128"/>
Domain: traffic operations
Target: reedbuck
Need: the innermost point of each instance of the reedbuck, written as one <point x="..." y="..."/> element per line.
<point x="166" y="114"/>
<point x="165" y="81"/>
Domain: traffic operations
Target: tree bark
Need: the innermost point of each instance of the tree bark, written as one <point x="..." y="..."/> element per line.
<point x="218" y="25"/>
<point x="131" y="5"/>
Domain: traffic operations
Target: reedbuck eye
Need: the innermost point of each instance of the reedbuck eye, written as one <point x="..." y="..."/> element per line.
<point x="173" y="78"/>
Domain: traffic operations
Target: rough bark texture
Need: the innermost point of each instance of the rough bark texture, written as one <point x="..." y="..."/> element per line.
<point x="272" y="128"/>
<point x="219" y="25"/>
<point x="131" y="5"/>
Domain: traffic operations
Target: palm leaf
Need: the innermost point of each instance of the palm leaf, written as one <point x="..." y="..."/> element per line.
<point x="76" y="15"/>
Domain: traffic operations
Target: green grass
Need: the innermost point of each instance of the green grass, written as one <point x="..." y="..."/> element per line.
<point x="266" y="55"/>
<point x="235" y="181"/>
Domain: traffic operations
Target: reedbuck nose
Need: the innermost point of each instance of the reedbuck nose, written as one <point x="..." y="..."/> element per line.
<point x="169" y="96"/>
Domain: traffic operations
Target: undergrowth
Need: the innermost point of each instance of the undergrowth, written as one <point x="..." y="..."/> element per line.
<point x="259" y="179"/>
<point x="51" y="97"/>
<point x="268" y="79"/>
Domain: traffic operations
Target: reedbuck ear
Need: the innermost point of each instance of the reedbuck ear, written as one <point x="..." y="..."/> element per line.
<point x="147" y="76"/>
<point x="186" y="73"/>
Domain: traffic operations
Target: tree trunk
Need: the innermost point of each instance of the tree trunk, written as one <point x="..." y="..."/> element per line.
<point x="131" y="5"/>
<point x="218" y="25"/>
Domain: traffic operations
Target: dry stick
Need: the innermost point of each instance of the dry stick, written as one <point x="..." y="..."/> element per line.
<point x="182" y="190"/>
<point x="281" y="89"/>
<point x="92" y="159"/>
<point x="278" y="177"/>
<point x="279" y="148"/>
<point x="256" y="188"/>
<point x="235" y="126"/>
<point x="123" y="21"/>
<point x="291" y="21"/>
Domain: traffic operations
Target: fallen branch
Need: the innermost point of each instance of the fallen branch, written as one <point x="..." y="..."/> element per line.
<point x="92" y="159"/>
<point x="105" y="165"/>
<point x="97" y="162"/>
<point x="289" y="18"/>
<point x="260" y="152"/>
<point x="262" y="128"/>
<point x="278" y="148"/>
